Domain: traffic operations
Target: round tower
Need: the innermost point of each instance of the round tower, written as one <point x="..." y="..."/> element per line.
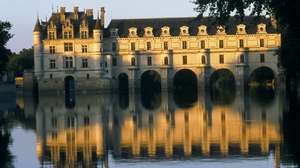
<point x="37" y="42"/>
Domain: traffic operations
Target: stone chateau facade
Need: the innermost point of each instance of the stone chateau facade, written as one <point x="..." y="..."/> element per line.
<point x="78" y="46"/>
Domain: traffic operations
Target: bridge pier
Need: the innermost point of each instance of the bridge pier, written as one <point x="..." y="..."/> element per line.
<point x="241" y="77"/>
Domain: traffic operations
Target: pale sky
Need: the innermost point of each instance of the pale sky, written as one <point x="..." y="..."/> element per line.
<point x="22" y="13"/>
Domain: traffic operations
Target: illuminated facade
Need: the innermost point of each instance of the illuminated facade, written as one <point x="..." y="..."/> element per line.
<point x="75" y="44"/>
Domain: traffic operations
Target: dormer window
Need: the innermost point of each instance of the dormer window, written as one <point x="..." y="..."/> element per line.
<point x="241" y="29"/>
<point x="51" y="35"/>
<point x="261" y="28"/>
<point x="68" y="35"/>
<point x="165" y="31"/>
<point x="84" y="34"/>
<point x="202" y="30"/>
<point x="221" y="30"/>
<point x="148" y="32"/>
<point x="114" y="32"/>
<point x="184" y="31"/>
<point x="133" y="32"/>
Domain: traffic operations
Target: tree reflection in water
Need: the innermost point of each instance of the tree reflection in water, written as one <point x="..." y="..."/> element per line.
<point x="5" y="140"/>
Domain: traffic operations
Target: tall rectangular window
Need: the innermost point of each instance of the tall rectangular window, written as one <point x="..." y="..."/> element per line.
<point x="84" y="34"/>
<point x="262" y="43"/>
<point x="68" y="47"/>
<point x="85" y="63"/>
<point x="51" y="36"/>
<point x="52" y="64"/>
<point x="221" y="43"/>
<point x="221" y="59"/>
<point x="65" y="35"/>
<point x="149" y="61"/>
<point x="132" y="61"/>
<point x="114" y="46"/>
<point x="68" y="62"/>
<point x="184" y="60"/>
<point x="242" y="59"/>
<point x="241" y="43"/>
<point x="262" y="58"/>
<point x="52" y="49"/>
<point x="148" y="45"/>
<point x="202" y="44"/>
<point x="114" y="61"/>
<point x="166" y="45"/>
<point x="184" y="44"/>
<point x="70" y="35"/>
<point x="84" y="49"/>
<point x="132" y="46"/>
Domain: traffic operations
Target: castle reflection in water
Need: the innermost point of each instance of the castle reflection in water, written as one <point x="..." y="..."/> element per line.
<point x="162" y="126"/>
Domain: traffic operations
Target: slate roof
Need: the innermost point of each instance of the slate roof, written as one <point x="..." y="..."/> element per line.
<point x="251" y="23"/>
<point x="55" y="19"/>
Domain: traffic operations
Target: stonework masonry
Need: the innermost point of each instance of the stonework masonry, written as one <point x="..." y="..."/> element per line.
<point x="78" y="45"/>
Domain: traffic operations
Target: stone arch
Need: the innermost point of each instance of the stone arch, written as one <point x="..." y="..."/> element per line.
<point x="262" y="76"/>
<point x="150" y="81"/>
<point x="222" y="86"/>
<point x="185" y="79"/>
<point x="123" y="83"/>
<point x="223" y="76"/>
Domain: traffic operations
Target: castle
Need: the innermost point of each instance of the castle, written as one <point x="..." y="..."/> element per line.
<point x="75" y="49"/>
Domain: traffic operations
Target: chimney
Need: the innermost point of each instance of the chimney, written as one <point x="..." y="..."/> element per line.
<point x="62" y="14"/>
<point x="76" y="10"/>
<point x="102" y="16"/>
<point x="89" y="12"/>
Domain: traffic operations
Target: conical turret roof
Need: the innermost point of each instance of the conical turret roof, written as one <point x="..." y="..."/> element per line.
<point x="37" y="27"/>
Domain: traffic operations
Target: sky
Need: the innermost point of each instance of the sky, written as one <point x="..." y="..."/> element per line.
<point x="23" y="13"/>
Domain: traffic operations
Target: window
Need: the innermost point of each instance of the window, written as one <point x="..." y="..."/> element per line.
<point x="202" y="44"/>
<point x="132" y="46"/>
<point x="241" y="43"/>
<point x="203" y="60"/>
<point x="262" y="43"/>
<point x="85" y="63"/>
<point x="132" y="61"/>
<point x="68" y="62"/>
<point x="242" y="59"/>
<point x="114" y="61"/>
<point x="184" y="60"/>
<point x="84" y="34"/>
<point x="87" y="76"/>
<point x="221" y="59"/>
<point x="166" y="45"/>
<point x="221" y="43"/>
<point x="51" y="76"/>
<point x="149" y="61"/>
<point x="114" y="46"/>
<point x="84" y="49"/>
<point x="86" y="121"/>
<point x="52" y="64"/>
<point x="68" y="47"/>
<point x="67" y="35"/>
<point x="262" y="58"/>
<point x="52" y="49"/>
<point x="166" y="61"/>
<point x="51" y="36"/>
<point x="148" y="45"/>
<point x="184" y="45"/>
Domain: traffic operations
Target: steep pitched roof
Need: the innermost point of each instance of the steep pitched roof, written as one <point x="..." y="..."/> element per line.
<point x="37" y="27"/>
<point x="251" y="23"/>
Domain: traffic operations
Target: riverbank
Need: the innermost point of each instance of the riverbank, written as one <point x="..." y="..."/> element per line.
<point x="7" y="96"/>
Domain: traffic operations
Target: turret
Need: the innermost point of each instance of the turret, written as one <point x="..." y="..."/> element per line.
<point x="102" y="15"/>
<point x="37" y="41"/>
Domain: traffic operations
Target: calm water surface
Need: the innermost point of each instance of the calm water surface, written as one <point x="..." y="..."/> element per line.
<point x="228" y="129"/>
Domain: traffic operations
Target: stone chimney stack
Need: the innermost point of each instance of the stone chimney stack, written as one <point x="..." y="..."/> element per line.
<point x="102" y="16"/>
<point x="76" y="11"/>
<point x="62" y="14"/>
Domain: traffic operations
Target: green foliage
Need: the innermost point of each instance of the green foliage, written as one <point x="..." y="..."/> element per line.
<point x="19" y="62"/>
<point x="4" y="38"/>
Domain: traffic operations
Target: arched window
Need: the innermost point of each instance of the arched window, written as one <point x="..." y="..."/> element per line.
<point x="242" y="59"/>
<point x="203" y="59"/>
<point x="166" y="61"/>
<point x="132" y="61"/>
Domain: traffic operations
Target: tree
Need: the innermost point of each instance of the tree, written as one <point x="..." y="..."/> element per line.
<point x="19" y="62"/>
<point x="285" y="12"/>
<point x="4" y="38"/>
